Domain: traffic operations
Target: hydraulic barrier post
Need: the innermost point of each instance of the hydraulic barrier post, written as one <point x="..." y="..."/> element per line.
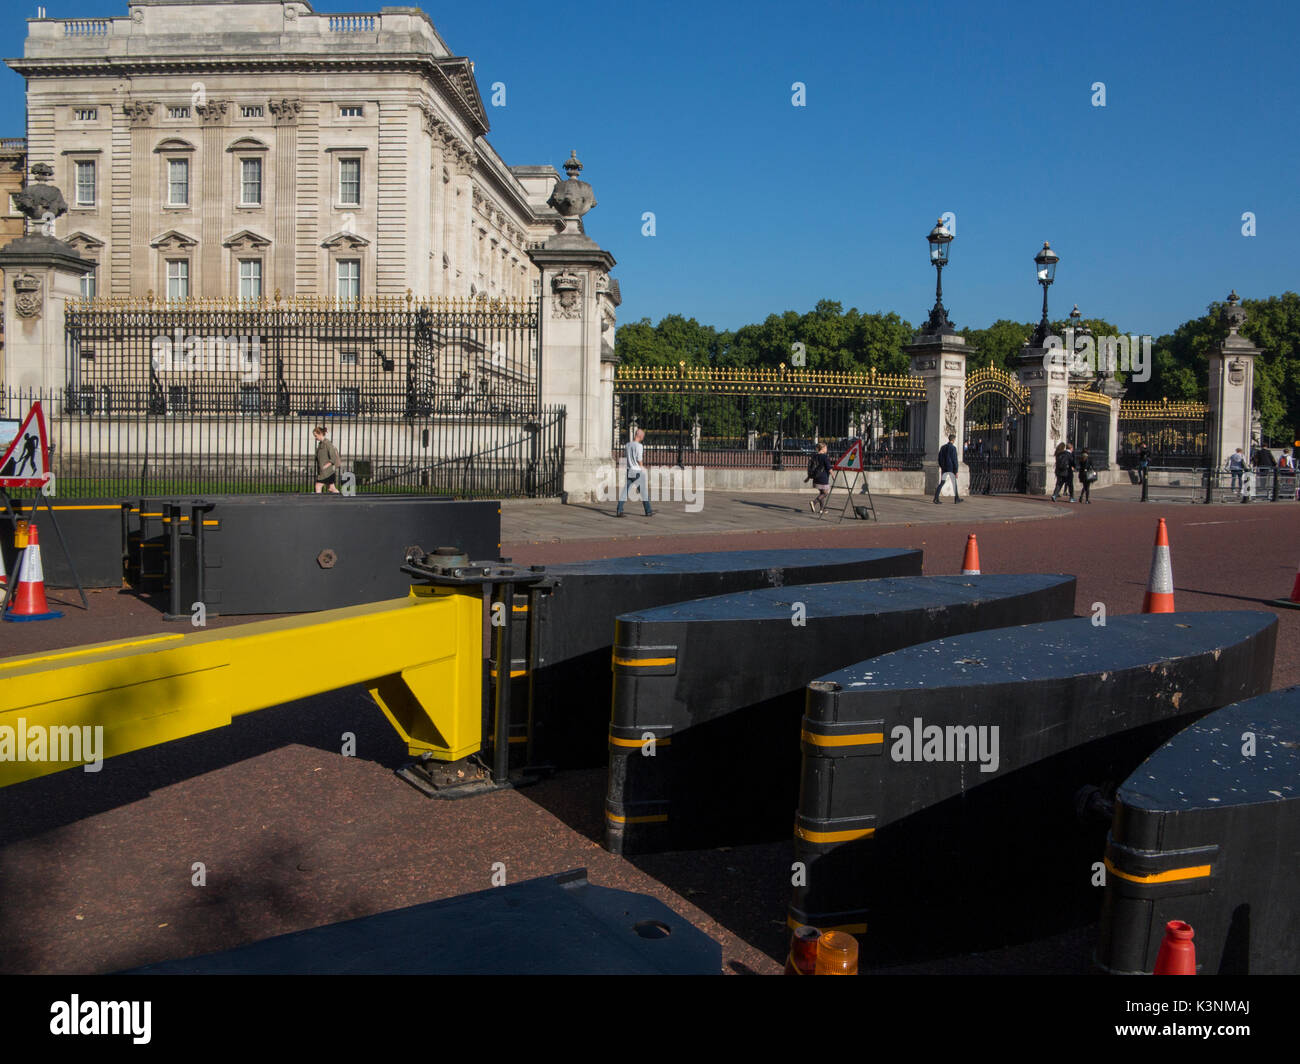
<point x="503" y="593"/>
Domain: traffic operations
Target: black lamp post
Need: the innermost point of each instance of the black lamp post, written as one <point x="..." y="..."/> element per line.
<point x="1045" y="265"/>
<point x="939" y="239"/>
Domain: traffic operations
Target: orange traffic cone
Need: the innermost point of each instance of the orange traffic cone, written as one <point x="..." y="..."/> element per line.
<point x="970" y="564"/>
<point x="1177" y="955"/>
<point x="4" y="573"/>
<point x="1292" y="603"/>
<point x="28" y="602"/>
<point x="1160" y="587"/>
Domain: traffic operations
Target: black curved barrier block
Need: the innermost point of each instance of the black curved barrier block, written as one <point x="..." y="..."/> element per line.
<point x="1207" y="830"/>
<point x="571" y="624"/>
<point x="937" y="798"/>
<point x="704" y="738"/>
<point x="556" y="925"/>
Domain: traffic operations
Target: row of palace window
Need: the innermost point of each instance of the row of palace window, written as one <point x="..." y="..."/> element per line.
<point x="252" y="400"/>
<point x="247" y="110"/>
<point x="347" y="279"/>
<point x="250" y="182"/>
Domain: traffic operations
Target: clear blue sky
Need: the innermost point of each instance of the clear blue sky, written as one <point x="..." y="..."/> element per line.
<point x="684" y="109"/>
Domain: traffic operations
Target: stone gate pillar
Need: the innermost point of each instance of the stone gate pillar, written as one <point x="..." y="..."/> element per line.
<point x="579" y="300"/>
<point x="939" y="359"/>
<point x="1232" y="387"/>
<point x="1048" y="382"/>
<point x="41" y="273"/>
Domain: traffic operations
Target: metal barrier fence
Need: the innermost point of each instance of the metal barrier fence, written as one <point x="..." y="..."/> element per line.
<point x="380" y="357"/>
<point x="768" y="419"/>
<point x="132" y="451"/>
<point x="1176" y="435"/>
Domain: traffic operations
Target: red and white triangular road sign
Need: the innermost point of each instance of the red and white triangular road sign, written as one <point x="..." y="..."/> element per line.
<point x="851" y="461"/>
<point x="27" y="462"/>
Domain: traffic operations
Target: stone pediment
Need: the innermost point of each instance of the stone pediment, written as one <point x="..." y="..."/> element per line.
<point x="84" y="242"/>
<point x="174" y="144"/>
<point x="249" y="144"/>
<point x="345" y="242"/>
<point x="173" y="240"/>
<point x="245" y="240"/>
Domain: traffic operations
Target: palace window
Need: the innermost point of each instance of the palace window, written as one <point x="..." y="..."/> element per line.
<point x="348" y="358"/>
<point x="178" y="279"/>
<point x="88" y="284"/>
<point x="351" y="110"/>
<point x="350" y="182"/>
<point x="250" y="278"/>
<point x="251" y="110"/>
<point x="349" y="279"/>
<point x="178" y="182"/>
<point x="178" y="399"/>
<point x="250" y="399"/>
<point x="250" y="182"/>
<point x="85" y="181"/>
<point x="85" y="114"/>
<point x="349" y="400"/>
<point x="178" y="112"/>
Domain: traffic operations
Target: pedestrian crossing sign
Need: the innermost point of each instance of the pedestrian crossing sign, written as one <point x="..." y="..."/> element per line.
<point x="851" y="461"/>
<point x="26" y="462"/>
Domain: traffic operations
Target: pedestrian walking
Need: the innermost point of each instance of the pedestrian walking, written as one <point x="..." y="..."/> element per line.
<point x="1086" y="477"/>
<point x="636" y="474"/>
<point x="1236" y="466"/>
<point x="328" y="462"/>
<point x="819" y="472"/>
<point x="1064" y="472"/>
<point x="948" y="468"/>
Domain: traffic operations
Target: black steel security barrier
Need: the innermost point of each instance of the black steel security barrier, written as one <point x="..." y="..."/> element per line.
<point x="937" y="798"/>
<point x="704" y="740"/>
<point x="1207" y="831"/>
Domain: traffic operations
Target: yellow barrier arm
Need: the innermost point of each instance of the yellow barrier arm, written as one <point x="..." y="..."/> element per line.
<point x="420" y="657"/>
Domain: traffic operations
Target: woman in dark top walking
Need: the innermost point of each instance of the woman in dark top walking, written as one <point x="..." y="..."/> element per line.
<point x="819" y="472"/>
<point x="1085" y="475"/>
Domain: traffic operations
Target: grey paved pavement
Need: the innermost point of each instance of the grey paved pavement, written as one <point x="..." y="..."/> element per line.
<point x="549" y="521"/>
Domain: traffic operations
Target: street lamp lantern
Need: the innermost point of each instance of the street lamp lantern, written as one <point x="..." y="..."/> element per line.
<point x="939" y="239"/>
<point x="1045" y="264"/>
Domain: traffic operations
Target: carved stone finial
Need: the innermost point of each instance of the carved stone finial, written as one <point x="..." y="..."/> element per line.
<point x="573" y="167"/>
<point x="1234" y="313"/>
<point x="40" y="202"/>
<point x="572" y="198"/>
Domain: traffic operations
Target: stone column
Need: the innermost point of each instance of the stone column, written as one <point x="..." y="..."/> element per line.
<point x="578" y="301"/>
<point x="1042" y="370"/>
<point x="42" y="274"/>
<point x="939" y="359"/>
<point x="1232" y="387"/>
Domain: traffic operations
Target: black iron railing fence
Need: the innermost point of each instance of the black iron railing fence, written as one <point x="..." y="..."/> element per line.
<point x="1177" y="435"/>
<point x="131" y="450"/>
<point x="768" y="419"/>
<point x="385" y="357"/>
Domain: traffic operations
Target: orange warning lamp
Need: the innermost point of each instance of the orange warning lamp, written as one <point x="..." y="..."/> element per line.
<point x="803" y="951"/>
<point x="837" y="954"/>
<point x="20" y="533"/>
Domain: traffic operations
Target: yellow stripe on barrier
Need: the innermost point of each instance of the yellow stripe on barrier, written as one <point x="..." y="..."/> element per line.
<point x="617" y="741"/>
<point x="1174" y="875"/>
<point x="852" y="929"/>
<point x="834" y="836"/>
<point x="513" y="673"/>
<point x="644" y="661"/>
<point x="861" y="739"/>
<point x="657" y="818"/>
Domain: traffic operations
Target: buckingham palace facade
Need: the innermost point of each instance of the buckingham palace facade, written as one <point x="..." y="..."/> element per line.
<point x="238" y="149"/>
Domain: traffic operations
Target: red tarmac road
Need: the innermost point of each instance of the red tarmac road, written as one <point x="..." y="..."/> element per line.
<point x="97" y="870"/>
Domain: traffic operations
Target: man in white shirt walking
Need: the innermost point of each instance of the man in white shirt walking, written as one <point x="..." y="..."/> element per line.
<point x="636" y="475"/>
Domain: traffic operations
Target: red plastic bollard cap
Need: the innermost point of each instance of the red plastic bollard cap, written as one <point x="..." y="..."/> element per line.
<point x="1177" y="954"/>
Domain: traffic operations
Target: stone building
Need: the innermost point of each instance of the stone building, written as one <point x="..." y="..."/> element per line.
<point x="13" y="165"/>
<point x="236" y="148"/>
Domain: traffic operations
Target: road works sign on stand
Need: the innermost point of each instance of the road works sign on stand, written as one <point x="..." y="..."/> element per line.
<point x="851" y="461"/>
<point x="26" y="464"/>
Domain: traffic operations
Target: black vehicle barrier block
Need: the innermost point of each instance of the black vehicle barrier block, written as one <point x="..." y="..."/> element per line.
<point x="555" y="925"/>
<point x="295" y="553"/>
<point x="572" y="624"/>
<point x="1207" y="831"/>
<point x="91" y="530"/>
<point x="704" y="739"/>
<point x="937" y="800"/>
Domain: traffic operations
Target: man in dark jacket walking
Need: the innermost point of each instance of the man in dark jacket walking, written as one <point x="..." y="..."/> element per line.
<point x="1064" y="472"/>
<point x="947" y="468"/>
